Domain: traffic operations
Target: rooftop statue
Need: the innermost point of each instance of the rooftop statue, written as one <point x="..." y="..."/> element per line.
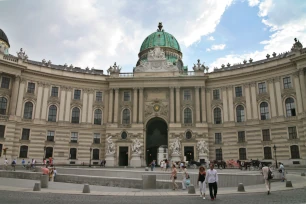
<point x="22" y="55"/>
<point x="115" y="69"/>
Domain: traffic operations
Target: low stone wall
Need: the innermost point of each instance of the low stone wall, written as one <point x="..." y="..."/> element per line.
<point x="100" y="181"/>
<point x="20" y="175"/>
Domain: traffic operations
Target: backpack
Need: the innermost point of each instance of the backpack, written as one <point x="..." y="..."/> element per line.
<point x="270" y="175"/>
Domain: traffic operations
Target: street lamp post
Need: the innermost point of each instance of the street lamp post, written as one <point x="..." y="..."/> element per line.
<point x="90" y="149"/>
<point x="44" y="155"/>
<point x="274" y="147"/>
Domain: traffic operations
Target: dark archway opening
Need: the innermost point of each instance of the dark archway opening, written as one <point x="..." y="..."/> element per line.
<point x="156" y="137"/>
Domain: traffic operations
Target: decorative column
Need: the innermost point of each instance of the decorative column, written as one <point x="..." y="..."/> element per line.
<point x="135" y="105"/>
<point x="62" y="103"/>
<point x="90" y="104"/>
<point x="278" y="97"/>
<point x="203" y="104"/>
<point x="254" y="101"/>
<point x="171" y="105"/>
<point x="68" y="105"/>
<point x="13" y="102"/>
<point x="140" y="116"/>
<point x="208" y="105"/>
<point x="84" y="107"/>
<point x="20" y="97"/>
<point x="272" y="98"/>
<point x="45" y="101"/>
<point x="248" y="101"/>
<point x="110" y="105"/>
<point x="298" y="92"/>
<point x="116" y="105"/>
<point x="303" y="88"/>
<point x="178" y="105"/>
<point x="230" y="103"/>
<point x="197" y="104"/>
<point x="225" y="105"/>
<point x="39" y="100"/>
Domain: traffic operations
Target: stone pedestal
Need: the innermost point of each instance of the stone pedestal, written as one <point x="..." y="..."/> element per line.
<point x="135" y="161"/>
<point x="44" y="180"/>
<point x="110" y="160"/>
<point x="175" y="157"/>
<point x="203" y="156"/>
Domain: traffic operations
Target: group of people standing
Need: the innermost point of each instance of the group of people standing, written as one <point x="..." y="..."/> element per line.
<point x="209" y="177"/>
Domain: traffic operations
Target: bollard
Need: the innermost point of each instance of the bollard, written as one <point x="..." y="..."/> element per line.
<point x="36" y="187"/>
<point x="191" y="189"/>
<point x="241" y="187"/>
<point x="147" y="169"/>
<point x="302" y="174"/>
<point x="86" y="188"/>
<point x="288" y="184"/>
<point x="44" y="180"/>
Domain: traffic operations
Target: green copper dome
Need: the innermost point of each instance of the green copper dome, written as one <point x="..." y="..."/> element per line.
<point x="160" y="38"/>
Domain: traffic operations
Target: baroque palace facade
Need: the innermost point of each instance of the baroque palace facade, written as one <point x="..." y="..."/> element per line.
<point x="79" y="115"/>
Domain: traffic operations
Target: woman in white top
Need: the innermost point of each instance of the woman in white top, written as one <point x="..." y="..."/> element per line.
<point x="185" y="176"/>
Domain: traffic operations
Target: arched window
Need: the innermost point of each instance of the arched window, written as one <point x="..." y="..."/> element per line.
<point x="3" y="105"/>
<point x="242" y="154"/>
<point x="49" y="152"/>
<point x="28" y="110"/>
<point x="95" y="154"/>
<point x="217" y="116"/>
<point x="75" y="118"/>
<point x="98" y="117"/>
<point x="23" y="152"/>
<point x="264" y="111"/>
<point x="240" y="113"/>
<point x="295" y="153"/>
<point x="290" y="107"/>
<point x="73" y="153"/>
<point x="187" y="116"/>
<point x="126" y="116"/>
<point x="267" y="153"/>
<point x="52" y="113"/>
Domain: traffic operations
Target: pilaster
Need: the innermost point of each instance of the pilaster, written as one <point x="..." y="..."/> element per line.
<point x="225" y="103"/>
<point x="203" y="104"/>
<point x="197" y="104"/>
<point x="110" y="105"/>
<point x="13" y="102"/>
<point x="140" y="116"/>
<point x="178" y="105"/>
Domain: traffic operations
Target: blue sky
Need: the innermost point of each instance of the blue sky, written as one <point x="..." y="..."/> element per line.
<point x="97" y="33"/>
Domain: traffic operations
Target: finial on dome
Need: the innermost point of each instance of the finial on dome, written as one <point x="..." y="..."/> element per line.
<point x="160" y="26"/>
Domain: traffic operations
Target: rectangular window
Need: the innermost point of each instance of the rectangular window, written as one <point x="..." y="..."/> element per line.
<point x="267" y="153"/>
<point x="77" y="94"/>
<point x="242" y="154"/>
<point x="292" y="133"/>
<point x="238" y="91"/>
<point x="74" y="137"/>
<point x="96" y="139"/>
<point x="25" y="134"/>
<point x="218" y="138"/>
<point x="216" y="94"/>
<point x="187" y="95"/>
<point x="99" y="96"/>
<point x="31" y="87"/>
<point x="126" y="96"/>
<point x="287" y="82"/>
<point x="50" y="136"/>
<point x="219" y="154"/>
<point x="54" y="91"/>
<point x="266" y="135"/>
<point x="241" y="136"/>
<point x="2" y="131"/>
<point x="5" y="83"/>
<point x="262" y="87"/>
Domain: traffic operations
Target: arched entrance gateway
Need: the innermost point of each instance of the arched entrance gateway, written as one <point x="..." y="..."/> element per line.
<point x="156" y="140"/>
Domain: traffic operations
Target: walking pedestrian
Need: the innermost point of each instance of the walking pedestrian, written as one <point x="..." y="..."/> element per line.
<point x="54" y="173"/>
<point x="152" y="165"/>
<point x="14" y="165"/>
<point x="212" y="179"/>
<point x="282" y="171"/>
<point x="267" y="174"/>
<point x="185" y="177"/>
<point x="201" y="182"/>
<point x="162" y="165"/>
<point x="23" y="163"/>
<point x="174" y="177"/>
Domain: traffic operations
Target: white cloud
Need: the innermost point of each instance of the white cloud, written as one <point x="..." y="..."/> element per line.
<point x="218" y="47"/>
<point x="253" y="2"/>
<point x="211" y="38"/>
<point x="285" y="21"/>
<point x="208" y="49"/>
